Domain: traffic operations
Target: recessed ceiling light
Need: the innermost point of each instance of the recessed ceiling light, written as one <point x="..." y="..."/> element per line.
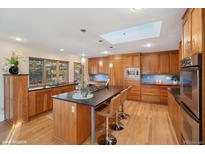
<point x="148" y="45"/>
<point x="105" y="52"/>
<point x="83" y="30"/>
<point x="61" y="49"/>
<point x="18" y="39"/>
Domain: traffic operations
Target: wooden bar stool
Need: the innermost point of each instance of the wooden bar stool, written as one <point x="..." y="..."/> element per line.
<point x="124" y="95"/>
<point x="108" y="111"/>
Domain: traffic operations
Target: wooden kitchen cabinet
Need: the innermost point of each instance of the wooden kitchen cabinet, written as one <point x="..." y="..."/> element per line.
<point x="134" y="93"/>
<point x="93" y="66"/>
<point x="150" y="63"/>
<point x="41" y="101"/>
<point x="136" y="61"/>
<point x="174" y="110"/>
<point x="164" y="63"/>
<point x="15" y="98"/>
<point x="174" y="62"/>
<point x="156" y="93"/>
<point x="150" y="93"/>
<point x="196" y="30"/>
<point x="187" y="35"/>
<point x="160" y="63"/>
<point x="192" y="32"/>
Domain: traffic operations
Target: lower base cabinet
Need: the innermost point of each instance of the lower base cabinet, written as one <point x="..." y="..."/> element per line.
<point x="174" y="110"/>
<point x="40" y="101"/>
<point x="72" y="122"/>
<point x="135" y="90"/>
<point x="155" y="93"/>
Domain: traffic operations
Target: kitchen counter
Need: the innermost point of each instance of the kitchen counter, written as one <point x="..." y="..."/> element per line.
<point x="100" y="96"/>
<point x="176" y="93"/>
<point x="51" y="86"/>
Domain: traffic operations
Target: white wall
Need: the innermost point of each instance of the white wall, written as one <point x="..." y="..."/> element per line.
<point x="6" y="49"/>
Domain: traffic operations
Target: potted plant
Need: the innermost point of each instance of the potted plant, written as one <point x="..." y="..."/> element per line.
<point x="12" y="64"/>
<point x="175" y="79"/>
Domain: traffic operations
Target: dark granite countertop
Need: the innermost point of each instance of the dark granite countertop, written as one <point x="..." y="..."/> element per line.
<point x="100" y="96"/>
<point x="176" y="93"/>
<point x="51" y="86"/>
<point x="161" y="84"/>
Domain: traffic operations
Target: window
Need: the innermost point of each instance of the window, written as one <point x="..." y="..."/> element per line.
<point x="47" y="71"/>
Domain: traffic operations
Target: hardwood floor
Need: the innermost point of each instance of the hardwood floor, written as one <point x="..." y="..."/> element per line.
<point x="147" y="124"/>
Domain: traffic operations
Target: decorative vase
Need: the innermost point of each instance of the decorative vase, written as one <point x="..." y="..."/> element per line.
<point x="14" y="70"/>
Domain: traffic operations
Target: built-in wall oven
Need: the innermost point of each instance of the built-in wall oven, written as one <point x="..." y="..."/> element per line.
<point x="191" y="98"/>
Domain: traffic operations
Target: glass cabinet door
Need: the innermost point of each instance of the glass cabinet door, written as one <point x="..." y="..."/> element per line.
<point x="63" y="71"/>
<point x="51" y="71"/>
<point x="36" y="71"/>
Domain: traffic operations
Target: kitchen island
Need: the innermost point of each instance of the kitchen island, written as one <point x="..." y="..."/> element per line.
<point x="74" y="120"/>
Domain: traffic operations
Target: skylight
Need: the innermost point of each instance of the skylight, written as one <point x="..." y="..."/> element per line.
<point x="140" y="32"/>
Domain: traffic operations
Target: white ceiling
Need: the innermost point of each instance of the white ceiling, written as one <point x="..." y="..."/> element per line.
<point x="60" y="28"/>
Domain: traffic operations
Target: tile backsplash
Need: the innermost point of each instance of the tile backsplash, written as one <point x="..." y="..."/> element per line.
<point x="153" y="78"/>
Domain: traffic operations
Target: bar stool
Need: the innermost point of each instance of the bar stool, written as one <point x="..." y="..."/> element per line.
<point x="108" y="111"/>
<point x="124" y="95"/>
<point x="117" y="126"/>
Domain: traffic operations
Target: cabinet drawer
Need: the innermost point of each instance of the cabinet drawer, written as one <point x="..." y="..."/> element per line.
<point x="163" y="92"/>
<point x="134" y="97"/>
<point x="132" y="82"/>
<point x="150" y="90"/>
<point x="163" y="100"/>
<point x="150" y="98"/>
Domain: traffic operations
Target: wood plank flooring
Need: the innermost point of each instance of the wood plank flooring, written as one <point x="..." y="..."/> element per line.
<point x="147" y="124"/>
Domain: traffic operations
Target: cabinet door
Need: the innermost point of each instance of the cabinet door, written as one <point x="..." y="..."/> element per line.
<point x="104" y="68"/>
<point x="43" y="101"/>
<point x="164" y="63"/>
<point x="7" y="98"/>
<point x="93" y="66"/>
<point x="170" y="106"/>
<point x="187" y="36"/>
<point x="117" y="74"/>
<point x="174" y="63"/>
<point x="32" y="104"/>
<point x="196" y="30"/>
<point x="150" y="63"/>
<point x="136" y="61"/>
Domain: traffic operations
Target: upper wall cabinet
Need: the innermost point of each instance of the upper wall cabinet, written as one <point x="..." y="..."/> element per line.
<point x="164" y="63"/>
<point x="160" y="63"/>
<point x="192" y="32"/>
<point x="150" y="63"/>
<point x="174" y="62"/>
<point x="93" y="66"/>
<point x="136" y="60"/>
<point x="196" y="28"/>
